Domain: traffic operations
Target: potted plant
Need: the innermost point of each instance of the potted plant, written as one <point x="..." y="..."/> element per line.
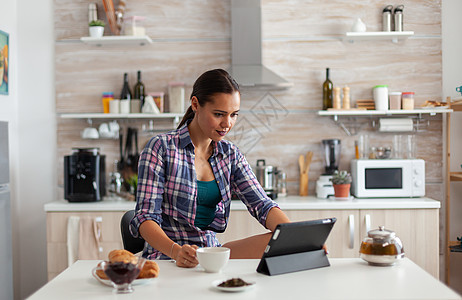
<point x="96" y="28"/>
<point x="342" y="182"/>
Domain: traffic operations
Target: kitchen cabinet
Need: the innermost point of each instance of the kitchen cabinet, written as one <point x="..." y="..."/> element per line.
<point x="415" y="221"/>
<point x="57" y="236"/>
<point x="417" y="228"/>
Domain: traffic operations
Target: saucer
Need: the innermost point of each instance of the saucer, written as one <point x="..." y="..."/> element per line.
<point x="107" y="282"/>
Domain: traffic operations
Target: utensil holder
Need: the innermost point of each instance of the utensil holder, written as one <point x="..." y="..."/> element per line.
<point x="304" y="184"/>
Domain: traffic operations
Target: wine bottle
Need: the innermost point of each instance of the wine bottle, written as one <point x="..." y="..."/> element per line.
<point x="139" y="90"/>
<point x="327" y="88"/>
<point x="125" y="93"/>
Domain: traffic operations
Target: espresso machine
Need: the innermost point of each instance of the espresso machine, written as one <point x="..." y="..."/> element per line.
<point x="84" y="175"/>
<point x="331" y="154"/>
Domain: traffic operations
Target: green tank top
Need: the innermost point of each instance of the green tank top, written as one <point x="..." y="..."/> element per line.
<point x="208" y="196"/>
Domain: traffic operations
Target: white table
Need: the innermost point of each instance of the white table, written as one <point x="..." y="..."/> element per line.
<point x="346" y="278"/>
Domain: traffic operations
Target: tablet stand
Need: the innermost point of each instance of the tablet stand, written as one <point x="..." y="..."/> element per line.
<point x="288" y="263"/>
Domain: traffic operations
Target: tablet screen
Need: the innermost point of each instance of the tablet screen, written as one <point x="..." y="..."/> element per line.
<point x="296" y="237"/>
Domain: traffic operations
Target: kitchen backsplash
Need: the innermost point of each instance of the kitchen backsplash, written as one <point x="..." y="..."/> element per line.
<point x="300" y="39"/>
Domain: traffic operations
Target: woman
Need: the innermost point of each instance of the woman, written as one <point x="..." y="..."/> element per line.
<point x="185" y="180"/>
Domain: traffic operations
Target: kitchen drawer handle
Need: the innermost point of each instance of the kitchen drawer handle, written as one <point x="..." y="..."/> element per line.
<point x="351" y="221"/>
<point x="367" y="219"/>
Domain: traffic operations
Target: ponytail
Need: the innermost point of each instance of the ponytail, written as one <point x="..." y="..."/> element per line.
<point x="188" y="115"/>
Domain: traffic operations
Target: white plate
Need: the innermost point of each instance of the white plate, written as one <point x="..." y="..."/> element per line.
<point x="108" y="282"/>
<point x="216" y="284"/>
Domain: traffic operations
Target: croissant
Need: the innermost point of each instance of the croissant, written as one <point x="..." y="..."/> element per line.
<point x="120" y="256"/>
<point x="149" y="270"/>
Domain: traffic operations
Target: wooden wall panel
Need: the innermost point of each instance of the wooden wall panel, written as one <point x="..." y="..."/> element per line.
<point x="300" y="39"/>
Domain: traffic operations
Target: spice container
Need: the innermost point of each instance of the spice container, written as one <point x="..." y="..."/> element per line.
<point x="176" y="97"/>
<point x="282" y="184"/>
<point x="346" y="97"/>
<point x="380" y="93"/>
<point x="336" y="101"/>
<point x="395" y="100"/>
<point x="109" y="96"/>
<point x="408" y="100"/>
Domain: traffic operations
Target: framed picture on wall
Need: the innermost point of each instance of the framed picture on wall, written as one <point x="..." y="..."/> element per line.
<point x="4" y="63"/>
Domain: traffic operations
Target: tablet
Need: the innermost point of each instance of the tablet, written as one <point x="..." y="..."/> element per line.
<point x="299" y="243"/>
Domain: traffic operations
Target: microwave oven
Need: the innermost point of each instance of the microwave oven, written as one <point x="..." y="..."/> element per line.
<point x="385" y="178"/>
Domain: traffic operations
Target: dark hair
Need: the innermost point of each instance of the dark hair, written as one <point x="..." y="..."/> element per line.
<point x="209" y="83"/>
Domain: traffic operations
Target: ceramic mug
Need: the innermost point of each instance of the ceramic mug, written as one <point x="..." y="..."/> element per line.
<point x="114" y="106"/>
<point x="124" y="106"/>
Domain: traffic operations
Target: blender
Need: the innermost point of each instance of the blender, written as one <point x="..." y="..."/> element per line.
<point x="331" y="154"/>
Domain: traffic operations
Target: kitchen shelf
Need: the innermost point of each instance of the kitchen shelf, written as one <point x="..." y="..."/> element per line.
<point x="431" y="111"/>
<point x="456" y="104"/>
<point x="120" y="116"/>
<point x="394" y="36"/>
<point x="117" y="40"/>
<point x="455" y="176"/>
<point x="352" y="127"/>
<point x="455" y="246"/>
<point x="90" y="116"/>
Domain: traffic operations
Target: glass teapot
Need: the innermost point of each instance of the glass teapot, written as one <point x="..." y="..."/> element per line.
<point x="381" y="247"/>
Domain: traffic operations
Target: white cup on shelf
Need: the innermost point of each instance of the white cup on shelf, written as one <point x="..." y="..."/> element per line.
<point x="124" y="106"/>
<point x="114" y="106"/>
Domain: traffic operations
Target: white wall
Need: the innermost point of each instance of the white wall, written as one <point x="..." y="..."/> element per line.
<point x="452" y="78"/>
<point x="9" y="113"/>
<point x="30" y="110"/>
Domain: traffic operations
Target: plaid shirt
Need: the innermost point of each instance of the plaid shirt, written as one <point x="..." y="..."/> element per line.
<point x="167" y="189"/>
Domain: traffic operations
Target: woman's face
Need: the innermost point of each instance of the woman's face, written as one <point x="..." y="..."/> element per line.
<point x="217" y="117"/>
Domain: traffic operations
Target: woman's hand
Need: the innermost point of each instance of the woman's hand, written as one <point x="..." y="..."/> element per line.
<point x="325" y="249"/>
<point x="186" y="256"/>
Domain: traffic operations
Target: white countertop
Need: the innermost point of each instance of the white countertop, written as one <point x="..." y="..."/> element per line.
<point x="346" y="278"/>
<point x="286" y="203"/>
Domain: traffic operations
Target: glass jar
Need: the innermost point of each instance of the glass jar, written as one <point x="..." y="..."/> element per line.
<point x="176" y="97"/>
<point x="408" y="100"/>
<point x="282" y="184"/>
<point x="395" y="100"/>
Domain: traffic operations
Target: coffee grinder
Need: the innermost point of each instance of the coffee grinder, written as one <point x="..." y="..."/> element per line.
<point x="331" y="154"/>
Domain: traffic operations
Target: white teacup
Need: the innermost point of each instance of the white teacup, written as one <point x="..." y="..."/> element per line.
<point x="213" y="259"/>
<point x="90" y="133"/>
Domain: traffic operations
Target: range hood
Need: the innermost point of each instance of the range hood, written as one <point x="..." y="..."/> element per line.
<point x="246" y="45"/>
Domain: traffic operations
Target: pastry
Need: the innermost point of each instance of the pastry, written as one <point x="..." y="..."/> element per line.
<point x="100" y="273"/>
<point x="121" y="256"/>
<point x="150" y="270"/>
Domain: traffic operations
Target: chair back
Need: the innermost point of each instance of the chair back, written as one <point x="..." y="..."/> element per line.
<point x="132" y="244"/>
